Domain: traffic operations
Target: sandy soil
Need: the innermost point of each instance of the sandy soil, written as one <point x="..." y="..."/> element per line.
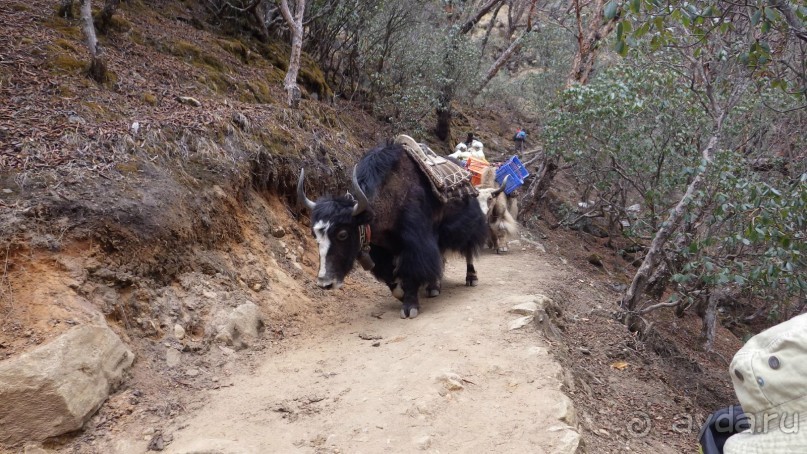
<point x="455" y="379"/>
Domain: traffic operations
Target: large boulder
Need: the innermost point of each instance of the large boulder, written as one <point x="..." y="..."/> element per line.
<point x="58" y="386"/>
<point x="241" y="327"/>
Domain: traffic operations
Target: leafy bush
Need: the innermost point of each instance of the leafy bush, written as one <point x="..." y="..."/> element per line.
<point x="633" y="135"/>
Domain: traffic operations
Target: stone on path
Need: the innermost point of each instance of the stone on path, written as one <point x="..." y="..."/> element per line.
<point x="56" y="387"/>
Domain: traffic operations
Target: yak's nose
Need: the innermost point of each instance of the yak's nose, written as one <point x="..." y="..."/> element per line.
<point x="327" y="283"/>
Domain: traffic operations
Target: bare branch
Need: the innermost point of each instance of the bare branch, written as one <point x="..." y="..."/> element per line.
<point x="484" y="9"/>
<point x="792" y="21"/>
<point x="654" y="307"/>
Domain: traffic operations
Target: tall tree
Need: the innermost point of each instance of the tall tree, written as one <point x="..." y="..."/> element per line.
<point x="295" y="24"/>
<point x="449" y="87"/>
<point x="98" y="69"/>
<point x="589" y="39"/>
<point x="507" y="53"/>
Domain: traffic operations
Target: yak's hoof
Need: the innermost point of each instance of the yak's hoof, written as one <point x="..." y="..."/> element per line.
<point x="433" y="292"/>
<point x="501" y="250"/>
<point x="471" y="281"/>
<point x="410" y="312"/>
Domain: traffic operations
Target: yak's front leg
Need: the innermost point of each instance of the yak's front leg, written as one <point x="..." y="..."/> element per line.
<point x="411" y="305"/>
<point x="501" y="241"/>
<point x="470" y="274"/>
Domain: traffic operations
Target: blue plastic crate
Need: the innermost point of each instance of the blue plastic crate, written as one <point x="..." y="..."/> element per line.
<point x="515" y="180"/>
<point x="516" y="164"/>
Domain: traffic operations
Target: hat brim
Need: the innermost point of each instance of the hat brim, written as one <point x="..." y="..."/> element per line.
<point x="794" y="441"/>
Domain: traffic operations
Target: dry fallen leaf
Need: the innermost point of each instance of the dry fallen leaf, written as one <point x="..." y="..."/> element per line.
<point x="620" y="365"/>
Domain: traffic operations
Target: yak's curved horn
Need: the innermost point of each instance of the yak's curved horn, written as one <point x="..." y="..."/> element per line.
<point x="301" y="192"/>
<point x="501" y="188"/>
<point x="361" y="199"/>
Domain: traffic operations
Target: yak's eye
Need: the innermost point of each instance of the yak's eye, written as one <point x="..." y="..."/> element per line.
<point x="342" y="235"/>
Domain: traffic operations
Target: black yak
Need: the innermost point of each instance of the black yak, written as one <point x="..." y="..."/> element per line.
<point x="394" y="224"/>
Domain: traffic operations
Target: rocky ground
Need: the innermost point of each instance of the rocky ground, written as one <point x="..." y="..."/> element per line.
<point x="460" y="377"/>
<point x="348" y="375"/>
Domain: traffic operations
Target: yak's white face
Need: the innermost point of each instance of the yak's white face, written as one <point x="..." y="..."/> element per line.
<point x="485" y="198"/>
<point x="325" y="278"/>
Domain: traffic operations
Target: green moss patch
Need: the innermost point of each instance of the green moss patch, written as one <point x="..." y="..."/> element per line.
<point x="260" y="91"/>
<point x="67" y="45"/>
<point x="65" y="91"/>
<point x="63" y="27"/>
<point x="310" y="76"/>
<point x="118" y="24"/>
<point x="276" y="54"/>
<point x="313" y="79"/>
<point x="195" y="55"/>
<point x="217" y="82"/>
<point x="127" y="167"/>
<point x="236" y="48"/>
<point x="97" y="109"/>
<point x="66" y="63"/>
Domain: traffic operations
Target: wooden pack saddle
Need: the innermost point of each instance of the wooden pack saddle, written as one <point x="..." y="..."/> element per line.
<point x="448" y="180"/>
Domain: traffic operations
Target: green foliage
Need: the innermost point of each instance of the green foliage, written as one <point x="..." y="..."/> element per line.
<point x="635" y="134"/>
<point x="756" y="34"/>
<point x="753" y="238"/>
<point x="530" y="88"/>
<point x="399" y="57"/>
<point x="193" y="54"/>
<point x="632" y="135"/>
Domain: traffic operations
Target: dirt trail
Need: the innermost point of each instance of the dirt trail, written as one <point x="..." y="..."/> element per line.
<point x="455" y="379"/>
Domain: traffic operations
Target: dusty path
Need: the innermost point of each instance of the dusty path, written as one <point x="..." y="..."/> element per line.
<point x="339" y="393"/>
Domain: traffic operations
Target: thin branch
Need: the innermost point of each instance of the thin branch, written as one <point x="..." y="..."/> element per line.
<point x="795" y="24"/>
<point x="658" y="306"/>
<point x="469" y="24"/>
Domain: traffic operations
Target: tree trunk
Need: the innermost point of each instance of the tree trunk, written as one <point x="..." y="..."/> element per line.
<point x="484" y="9"/>
<point x="500" y="62"/>
<point x="658" y="281"/>
<point x="98" y="69"/>
<point x="539" y="186"/>
<point x="598" y="30"/>
<point x="443" y="129"/>
<point x="258" y="15"/>
<point x="66" y="9"/>
<point x="710" y="320"/>
<point x="631" y="298"/>
<point x="491" y="26"/>
<point x="295" y="24"/>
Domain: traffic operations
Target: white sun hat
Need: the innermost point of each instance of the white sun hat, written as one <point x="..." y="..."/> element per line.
<point x="770" y="378"/>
